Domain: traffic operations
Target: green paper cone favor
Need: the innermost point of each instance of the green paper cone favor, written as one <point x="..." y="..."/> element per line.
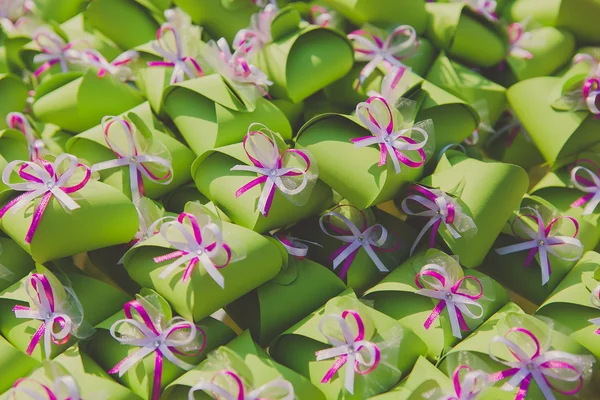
<point x="474" y="200"/>
<point x="345" y="330"/>
<point x="222" y="262"/>
<point x="73" y="375"/>
<point x="15" y="263"/>
<point x="300" y="288"/>
<point x="14" y="363"/>
<point x="523" y="354"/>
<point x="148" y="347"/>
<point x="286" y="190"/>
<point x="241" y="368"/>
<point x="60" y="311"/>
<point x="409" y="293"/>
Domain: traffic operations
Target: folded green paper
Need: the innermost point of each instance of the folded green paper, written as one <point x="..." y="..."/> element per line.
<point x="14" y="363"/>
<point x="15" y="263"/>
<point x="14" y="147"/>
<point x="14" y="94"/>
<point x="59" y="10"/>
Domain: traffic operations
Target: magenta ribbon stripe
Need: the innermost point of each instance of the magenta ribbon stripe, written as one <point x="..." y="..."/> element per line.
<point x="436" y="226"/>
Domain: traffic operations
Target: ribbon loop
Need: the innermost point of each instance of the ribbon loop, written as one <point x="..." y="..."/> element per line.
<point x="469" y="386"/>
<point x="63" y="387"/>
<point x="485" y="8"/>
<point x="54" y="51"/>
<point x="234" y="388"/>
<point x="294" y="246"/>
<point x="258" y="35"/>
<point x="118" y="67"/>
<point x="36" y="147"/>
<point x="595" y="300"/>
<point x="517" y="37"/>
<point x="590" y="186"/>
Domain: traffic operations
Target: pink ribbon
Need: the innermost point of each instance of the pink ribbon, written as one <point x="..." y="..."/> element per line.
<point x="359" y="355"/>
<point x="540" y="366"/>
<point x="42" y="178"/>
<point x="451" y="295"/>
<point x="591" y="93"/>
<point x="155" y="339"/>
<point x="278" y="385"/>
<point x="294" y="246"/>
<point x="375" y="50"/>
<point x="273" y="167"/>
<point x="590" y="186"/>
<point x="258" y="35"/>
<point x="18" y="121"/>
<point x="54" y="51"/>
<point x="195" y="249"/>
<point x="118" y="67"/>
<point x="67" y="383"/>
<point x="516" y="37"/>
<point x="592" y="61"/>
<point x="485" y="8"/>
<point x="595" y="300"/>
<point x="320" y="16"/>
<point x="541" y="241"/>
<point x="392" y="142"/>
<point x="470" y="386"/>
<point x="174" y="57"/>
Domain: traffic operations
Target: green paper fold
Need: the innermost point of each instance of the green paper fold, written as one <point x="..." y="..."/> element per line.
<point x="13" y="95"/>
<point x="13" y="146"/>
<point x="15" y="260"/>
<point x="59" y="10"/>
<point x="14" y="364"/>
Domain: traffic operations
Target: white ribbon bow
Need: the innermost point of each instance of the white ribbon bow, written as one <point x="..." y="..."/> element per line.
<point x="71" y="391"/>
<point x="175" y="56"/>
<point x="487" y="8"/>
<point x="18" y="121"/>
<point x="254" y="38"/>
<point x="224" y="394"/>
<point x="470" y="386"/>
<point x="592" y="189"/>
<point x="595" y="300"/>
<point x="55" y="50"/>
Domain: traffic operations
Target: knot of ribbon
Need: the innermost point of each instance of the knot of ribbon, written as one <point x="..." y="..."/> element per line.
<point x="368" y="238"/>
<point x="46" y="308"/>
<point x="133" y="157"/>
<point x="516" y="37"/>
<point x="434" y="281"/>
<point x="470" y="386"/>
<point x="54" y="51"/>
<point x="18" y="121"/>
<point x="235" y="389"/>
<point x="595" y="300"/>
<point x="63" y="388"/>
<point x="294" y="246"/>
<point x="287" y="171"/>
<point x="163" y="341"/>
<point x="204" y="245"/>
<point x="43" y="178"/>
<point x="173" y="57"/>
<point x="591" y="92"/>
<point x="553" y="364"/>
<point x="486" y="8"/>
<point x="377" y="116"/>
<point x="360" y="356"/>
<point x="117" y="68"/>
<point x="542" y="242"/>
<point x="590" y="186"/>
<point x="399" y="45"/>
<point x="441" y="208"/>
<point x="258" y="35"/>
<point x="320" y="16"/>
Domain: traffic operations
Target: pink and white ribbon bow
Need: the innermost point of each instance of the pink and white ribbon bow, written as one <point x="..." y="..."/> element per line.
<point x="47" y="308"/>
<point x="542" y="242"/>
<point x="45" y="179"/>
<point x="434" y="281"/>
<point x="63" y="388"/>
<point x="203" y="245"/>
<point x="162" y="339"/>
<point x="320" y="16"/>
<point x="377" y="116"/>
<point x="595" y="300"/>
<point x="173" y="57"/>
<point x="258" y="35"/>
<point x="591" y="93"/>
<point x="516" y="37"/>
<point x="392" y="86"/>
<point x="590" y="186"/>
<point x="35" y="146"/>
<point x="294" y="246"/>
<point x="286" y="171"/>
<point x="486" y="8"/>
<point x="442" y="209"/>
<point x="360" y="356"/>
<point x="117" y="68"/>
<point x="546" y="368"/>
<point x="235" y="389"/>
<point x="469" y="386"/>
<point x="54" y="51"/>
<point x="592" y="60"/>
<point x="133" y="157"/>
<point x="399" y="45"/>
<point x="368" y="238"/>
<point x="12" y="10"/>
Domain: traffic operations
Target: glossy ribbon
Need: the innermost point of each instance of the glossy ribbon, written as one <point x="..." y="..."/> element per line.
<point x="391" y="88"/>
<point x="591" y="92"/>
<point x="294" y="246"/>
<point x="374" y="50"/>
<point x="390" y="142"/>
<point x="258" y="35"/>
<point x="589" y="59"/>
<point x="218" y="391"/>
<point x="182" y="65"/>
<point x="458" y="300"/>
<point x="42" y="179"/>
<point x="486" y="8"/>
<point x="470" y="386"/>
<point x="270" y="165"/>
<point x="154" y="339"/>
<point x="590" y="186"/>
<point x="132" y="157"/>
<point x="320" y="16"/>
<point x="516" y="35"/>
<point x="18" y="121"/>
<point x="350" y="351"/>
<point x="540" y="366"/>
<point x="541" y="243"/>
<point x="55" y="51"/>
<point x="67" y="382"/>
<point x="195" y="248"/>
<point x="118" y="67"/>
<point x="595" y="300"/>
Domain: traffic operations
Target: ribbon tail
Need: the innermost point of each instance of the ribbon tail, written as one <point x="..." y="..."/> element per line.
<point x="134" y="183"/>
<point x="376" y="260"/>
<point x="454" y="321"/>
<point x="544" y="265"/>
<point x="266" y="197"/>
<point x="349" y="375"/>
<point x="36" y="339"/>
<point x="422" y="233"/>
<point x="158" y="366"/>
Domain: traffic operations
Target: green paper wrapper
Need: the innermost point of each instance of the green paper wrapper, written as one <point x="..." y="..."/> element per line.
<point x="209" y="113"/>
<point x="14" y="364"/>
<point x="300" y="288"/>
<point x="91" y="146"/>
<point x="108" y="352"/>
<point x="248" y="360"/>
<point x="214" y="179"/>
<point x="13" y="39"/>
<point x="13" y="146"/>
<point x="488" y="192"/>
<point x="201" y="295"/>
<point x="383" y="12"/>
<point x="59" y="10"/>
<point x="396" y="296"/>
<point x="577" y="16"/>
<point x="15" y="263"/>
<point x="293" y="111"/>
<point x="570" y="306"/>
<point x="322" y="54"/>
<point x="559" y="135"/>
<point x="464" y="35"/>
<point x="14" y="94"/>
<point x="19" y="331"/>
<point x="362" y="273"/>
<point x="105" y="217"/>
<point x="77" y="102"/>
<point x="296" y="349"/>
